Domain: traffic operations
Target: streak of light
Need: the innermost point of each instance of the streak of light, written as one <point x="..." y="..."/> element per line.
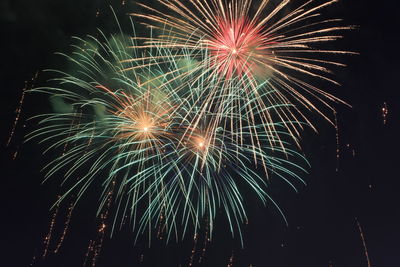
<point x="18" y="114"/>
<point x="89" y="250"/>
<point x="95" y="246"/>
<point x="18" y="110"/>
<point x="66" y="226"/>
<point x="195" y="238"/>
<point x="364" y="243"/>
<point x="15" y="154"/>
<point x="206" y="241"/>
<point x="47" y="238"/>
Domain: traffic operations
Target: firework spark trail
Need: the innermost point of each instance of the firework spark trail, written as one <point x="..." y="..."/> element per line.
<point x="66" y="226"/>
<point x="337" y="142"/>
<point x="47" y="238"/>
<point x="95" y="246"/>
<point x="364" y="243"/>
<point x="88" y="252"/>
<point x="193" y="251"/>
<point x="28" y="85"/>
<point x="103" y="225"/>
<point x="206" y="241"/>
<point x="50" y="234"/>
<point x="18" y="114"/>
<point x="161" y="226"/>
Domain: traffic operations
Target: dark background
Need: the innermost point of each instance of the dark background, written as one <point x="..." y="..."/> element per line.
<point x="322" y="227"/>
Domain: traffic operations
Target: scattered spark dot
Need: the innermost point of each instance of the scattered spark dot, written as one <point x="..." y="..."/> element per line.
<point x="33" y="261"/>
<point x="385" y="112"/>
<point x="337" y="142"/>
<point x="352" y="149"/>
<point x="230" y="263"/>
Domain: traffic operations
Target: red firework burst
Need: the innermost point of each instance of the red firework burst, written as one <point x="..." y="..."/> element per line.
<point x="237" y="47"/>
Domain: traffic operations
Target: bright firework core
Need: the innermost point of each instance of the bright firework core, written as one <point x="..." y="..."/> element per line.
<point x="199" y="143"/>
<point x="144" y="123"/>
<point x="145" y="128"/>
<point x="235" y="45"/>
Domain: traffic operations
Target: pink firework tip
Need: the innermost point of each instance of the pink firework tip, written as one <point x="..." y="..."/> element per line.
<point x="238" y="47"/>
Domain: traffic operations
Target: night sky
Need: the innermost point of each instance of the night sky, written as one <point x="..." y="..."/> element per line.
<point x="322" y="229"/>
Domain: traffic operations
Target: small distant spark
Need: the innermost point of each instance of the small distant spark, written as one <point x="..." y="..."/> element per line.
<point x="385" y="112"/>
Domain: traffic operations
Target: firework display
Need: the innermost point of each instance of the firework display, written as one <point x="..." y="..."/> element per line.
<point x="265" y="44"/>
<point x="175" y="129"/>
<point x="137" y="128"/>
